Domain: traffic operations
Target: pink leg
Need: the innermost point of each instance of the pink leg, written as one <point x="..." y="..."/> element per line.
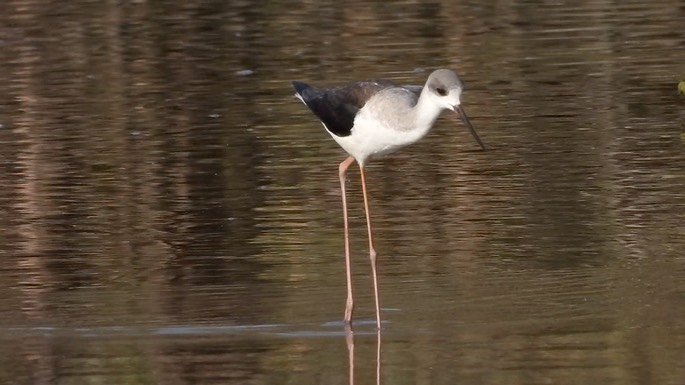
<point x="349" y="307"/>
<point x="372" y="251"/>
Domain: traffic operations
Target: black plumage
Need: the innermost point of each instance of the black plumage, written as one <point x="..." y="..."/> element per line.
<point x="337" y="107"/>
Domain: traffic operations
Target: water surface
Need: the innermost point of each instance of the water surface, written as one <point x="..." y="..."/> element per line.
<point x="170" y="214"/>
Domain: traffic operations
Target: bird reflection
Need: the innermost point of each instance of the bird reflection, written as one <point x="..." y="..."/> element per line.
<point x="349" y="340"/>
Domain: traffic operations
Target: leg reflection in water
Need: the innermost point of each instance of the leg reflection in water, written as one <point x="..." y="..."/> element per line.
<point x="349" y="340"/>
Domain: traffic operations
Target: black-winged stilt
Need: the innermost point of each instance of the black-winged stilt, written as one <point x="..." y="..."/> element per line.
<point x="372" y="118"/>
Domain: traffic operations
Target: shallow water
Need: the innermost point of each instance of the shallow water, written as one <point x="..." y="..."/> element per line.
<point x="171" y="214"/>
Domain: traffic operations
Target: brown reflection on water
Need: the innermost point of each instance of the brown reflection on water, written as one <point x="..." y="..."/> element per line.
<point x="116" y="180"/>
<point x="169" y="213"/>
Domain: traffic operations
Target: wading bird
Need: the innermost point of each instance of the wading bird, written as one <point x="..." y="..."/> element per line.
<point x="372" y="118"/>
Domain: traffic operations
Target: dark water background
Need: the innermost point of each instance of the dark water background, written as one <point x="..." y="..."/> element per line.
<point x="170" y="214"/>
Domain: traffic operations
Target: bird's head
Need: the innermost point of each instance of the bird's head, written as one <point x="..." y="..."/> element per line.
<point x="445" y="87"/>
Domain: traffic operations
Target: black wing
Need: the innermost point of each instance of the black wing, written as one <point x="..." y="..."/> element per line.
<point x="337" y="107"/>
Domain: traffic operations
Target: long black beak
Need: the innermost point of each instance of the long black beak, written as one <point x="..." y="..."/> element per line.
<point x="467" y="122"/>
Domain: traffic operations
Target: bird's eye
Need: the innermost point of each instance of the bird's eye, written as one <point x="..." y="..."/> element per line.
<point x="441" y="91"/>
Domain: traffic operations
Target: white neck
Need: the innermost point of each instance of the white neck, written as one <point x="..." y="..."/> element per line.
<point x="426" y="112"/>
